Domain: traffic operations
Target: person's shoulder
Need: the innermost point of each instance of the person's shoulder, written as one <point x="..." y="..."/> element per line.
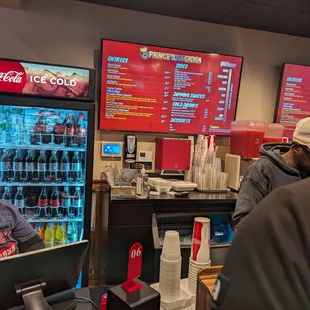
<point x="6" y="209"/>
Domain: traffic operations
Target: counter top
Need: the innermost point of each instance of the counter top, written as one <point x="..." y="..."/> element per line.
<point x="228" y="197"/>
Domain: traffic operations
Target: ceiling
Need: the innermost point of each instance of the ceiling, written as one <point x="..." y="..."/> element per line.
<point x="281" y="16"/>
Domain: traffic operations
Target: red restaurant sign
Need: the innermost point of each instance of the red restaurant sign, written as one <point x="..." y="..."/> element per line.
<point x="44" y="80"/>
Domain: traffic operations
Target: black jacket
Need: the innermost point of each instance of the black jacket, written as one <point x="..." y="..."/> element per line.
<point x="268" y="265"/>
<point x="266" y="174"/>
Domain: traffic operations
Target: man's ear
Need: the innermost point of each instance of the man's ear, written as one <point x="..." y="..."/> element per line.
<point x="295" y="147"/>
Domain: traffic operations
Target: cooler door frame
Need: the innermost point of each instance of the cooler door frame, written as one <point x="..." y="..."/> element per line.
<point x="89" y="107"/>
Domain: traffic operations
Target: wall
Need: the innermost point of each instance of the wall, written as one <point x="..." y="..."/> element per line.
<point x="69" y="32"/>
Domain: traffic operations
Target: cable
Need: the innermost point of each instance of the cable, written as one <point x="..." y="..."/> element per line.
<point x="84" y="299"/>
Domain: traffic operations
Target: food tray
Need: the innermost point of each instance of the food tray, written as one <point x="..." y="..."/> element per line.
<point x="185" y="299"/>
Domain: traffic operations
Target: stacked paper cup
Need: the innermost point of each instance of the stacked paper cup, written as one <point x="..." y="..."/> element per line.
<point x="200" y="252"/>
<point x="170" y="267"/>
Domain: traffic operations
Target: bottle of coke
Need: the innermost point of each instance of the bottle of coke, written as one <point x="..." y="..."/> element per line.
<point x="76" y="168"/>
<point x="54" y="203"/>
<point x="66" y="202"/>
<point x="65" y="167"/>
<point x="69" y="130"/>
<point x="42" y="204"/>
<point x="18" y="166"/>
<point x="7" y="195"/>
<point x="80" y="131"/>
<point x="29" y="166"/>
<point x="6" y="166"/>
<point x="78" y="202"/>
<point x="19" y="200"/>
<point x="53" y="167"/>
<point x="42" y="167"/>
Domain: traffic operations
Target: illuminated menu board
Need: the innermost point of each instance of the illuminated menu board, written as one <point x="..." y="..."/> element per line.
<point x="155" y="89"/>
<point x="294" y="97"/>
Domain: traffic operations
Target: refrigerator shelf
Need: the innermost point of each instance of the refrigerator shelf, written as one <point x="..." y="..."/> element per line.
<point x="44" y="147"/>
<point x="56" y="220"/>
<point x="41" y="184"/>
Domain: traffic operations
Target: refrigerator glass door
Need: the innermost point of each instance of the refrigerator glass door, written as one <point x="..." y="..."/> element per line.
<point x="42" y="168"/>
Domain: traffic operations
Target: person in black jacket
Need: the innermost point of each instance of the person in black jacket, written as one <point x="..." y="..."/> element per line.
<point x="16" y="234"/>
<point x="268" y="264"/>
<point x="280" y="164"/>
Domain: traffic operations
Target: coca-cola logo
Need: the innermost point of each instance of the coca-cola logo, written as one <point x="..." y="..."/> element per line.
<point x="13" y="77"/>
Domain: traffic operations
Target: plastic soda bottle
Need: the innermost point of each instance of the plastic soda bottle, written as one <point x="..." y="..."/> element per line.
<point x="39" y="231"/>
<point x="49" y="236"/>
<point x="60" y="236"/>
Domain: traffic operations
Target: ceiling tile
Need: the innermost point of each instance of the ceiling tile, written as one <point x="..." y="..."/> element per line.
<point x="259" y="16"/>
<point x="302" y="5"/>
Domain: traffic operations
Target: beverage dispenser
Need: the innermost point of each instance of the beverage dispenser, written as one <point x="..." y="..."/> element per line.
<point x="246" y="137"/>
<point x="274" y="133"/>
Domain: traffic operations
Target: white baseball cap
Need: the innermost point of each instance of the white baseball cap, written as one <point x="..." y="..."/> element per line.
<point x="302" y="132"/>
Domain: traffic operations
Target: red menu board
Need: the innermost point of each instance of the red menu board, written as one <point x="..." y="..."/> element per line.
<point x="44" y="80"/>
<point x="156" y="89"/>
<point x="294" y="97"/>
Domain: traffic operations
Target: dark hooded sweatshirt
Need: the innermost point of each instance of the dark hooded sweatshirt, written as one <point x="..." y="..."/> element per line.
<point x="268" y="265"/>
<point x="266" y="174"/>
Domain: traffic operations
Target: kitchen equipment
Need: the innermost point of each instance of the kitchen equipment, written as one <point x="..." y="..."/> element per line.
<point x="246" y="137"/>
<point x="172" y="154"/>
<point x="274" y="133"/>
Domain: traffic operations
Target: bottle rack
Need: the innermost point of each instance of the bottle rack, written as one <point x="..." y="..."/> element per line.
<point x="43" y="147"/>
<point x="56" y="220"/>
<point x="42" y="184"/>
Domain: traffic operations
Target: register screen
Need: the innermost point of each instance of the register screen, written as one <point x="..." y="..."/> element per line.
<point x="294" y="97"/>
<point x="155" y="89"/>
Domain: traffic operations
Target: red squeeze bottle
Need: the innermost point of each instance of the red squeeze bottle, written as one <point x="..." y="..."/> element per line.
<point x="104" y="301"/>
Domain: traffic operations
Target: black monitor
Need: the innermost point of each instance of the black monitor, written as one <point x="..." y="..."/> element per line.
<point x="26" y="279"/>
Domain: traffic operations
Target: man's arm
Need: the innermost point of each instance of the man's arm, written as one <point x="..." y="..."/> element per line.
<point x="250" y="194"/>
<point x="34" y="243"/>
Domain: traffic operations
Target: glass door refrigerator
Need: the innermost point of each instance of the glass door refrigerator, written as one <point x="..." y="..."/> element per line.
<point x="46" y="148"/>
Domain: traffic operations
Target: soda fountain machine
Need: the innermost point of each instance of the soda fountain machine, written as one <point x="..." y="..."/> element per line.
<point x="46" y="147"/>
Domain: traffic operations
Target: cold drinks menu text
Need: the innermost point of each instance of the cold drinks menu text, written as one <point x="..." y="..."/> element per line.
<point x="155" y="89"/>
<point x="294" y="97"/>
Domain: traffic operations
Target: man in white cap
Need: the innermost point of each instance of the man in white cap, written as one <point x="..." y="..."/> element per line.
<point x="280" y="164"/>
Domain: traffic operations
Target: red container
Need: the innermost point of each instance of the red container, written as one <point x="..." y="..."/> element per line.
<point x="274" y="133"/>
<point x="246" y="138"/>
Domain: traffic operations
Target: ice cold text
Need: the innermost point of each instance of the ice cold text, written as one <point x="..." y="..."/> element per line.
<point x="54" y="80"/>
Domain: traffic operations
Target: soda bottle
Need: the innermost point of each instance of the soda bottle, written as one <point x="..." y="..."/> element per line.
<point x="39" y="230"/>
<point x="29" y="166"/>
<point x="59" y="131"/>
<point x="77" y="202"/>
<point x="72" y="232"/>
<point x="6" y="166"/>
<point x="41" y="167"/>
<point x="69" y="130"/>
<point x="65" y="167"/>
<point x="18" y="166"/>
<point x="76" y="168"/>
<point x="7" y="195"/>
<point x="66" y="202"/>
<point x="54" y="203"/>
<point x="49" y="236"/>
<point x="53" y="167"/>
<point x="80" y="131"/>
<point x="19" y="200"/>
<point x="60" y="237"/>
<point x="42" y="203"/>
